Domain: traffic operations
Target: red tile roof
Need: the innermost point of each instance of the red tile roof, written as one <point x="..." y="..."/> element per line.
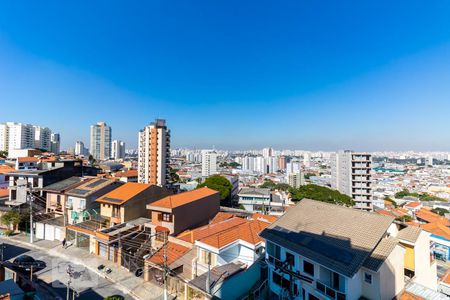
<point x="437" y="229"/>
<point x="6" y="169"/>
<point x="184" y="198"/>
<point x="27" y="159"/>
<point x="196" y="234"/>
<point x="413" y="204"/>
<point x="124" y="192"/>
<point x="430" y="217"/>
<point x="129" y="173"/>
<point x="221" y="216"/>
<point x="4" y="192"/>
<point x="267" y="218"/>
<point x="173" y="252"/>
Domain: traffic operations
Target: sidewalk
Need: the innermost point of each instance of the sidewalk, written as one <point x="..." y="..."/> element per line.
<point x="129" y="284"/>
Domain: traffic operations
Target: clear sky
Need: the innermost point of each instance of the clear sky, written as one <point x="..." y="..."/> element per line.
<point x="318" y="75"/>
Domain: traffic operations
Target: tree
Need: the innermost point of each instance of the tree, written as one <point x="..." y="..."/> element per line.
<point x="11" y="219"/>
<point x="268" y="184"/>
<point x="91" y="160"/>
<point x="320" y="193"/>
<point x="391" y="201"/>
<point x="220" y="184"/>
<point x="3" y="153"/>
<point x="173" y="175"/>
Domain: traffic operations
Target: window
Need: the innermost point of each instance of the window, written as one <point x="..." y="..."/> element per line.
<point x="82" y="204"/>
<point x="368" y="278"/>
<point x="273" y="250"/>
<point x="276" y="278"/>
<point x="290" y="258"/>
<point x="312" y="297"/>
<point x="336" y="281"/>
<point x="308" y="268"/>
<point x="167" y="217"/>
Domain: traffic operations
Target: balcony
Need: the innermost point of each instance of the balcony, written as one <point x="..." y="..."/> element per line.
<point x="329" y="291"/>
<point x="115" y="218"/>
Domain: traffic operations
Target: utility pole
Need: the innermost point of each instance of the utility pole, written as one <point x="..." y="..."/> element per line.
<point x="31" y="213"/>
<point x="70" y="273"/>
<point x="208" y="277"/>
<point x="165" y="265"/>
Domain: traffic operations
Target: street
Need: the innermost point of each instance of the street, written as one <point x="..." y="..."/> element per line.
<point x="87" y="284"/>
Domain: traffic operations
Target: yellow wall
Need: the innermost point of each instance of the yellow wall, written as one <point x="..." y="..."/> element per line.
<point x="409" y="257"/>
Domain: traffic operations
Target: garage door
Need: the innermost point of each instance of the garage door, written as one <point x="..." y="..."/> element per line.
<point x="49" y="232"/>
<point x="59" y="234"/>
<point x="40" y="230"/>
<point x="102" y="250"/>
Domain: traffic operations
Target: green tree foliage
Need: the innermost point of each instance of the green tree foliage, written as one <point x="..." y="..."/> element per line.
<point x="440" y="211"/>
<point x="269" y="184"/>
<point x="173" y="175"/>
<point x="232" y="165"/>
<point x="309" y="175"/>
<point x="11" y="219"/>
<point x="320" y="193"/>
<point x="421" y="196"/>
<point x="405" y="218"/>
<point x="3" y="153"/>
<point x="220" y="184"/>
<point x="391" y="201"/>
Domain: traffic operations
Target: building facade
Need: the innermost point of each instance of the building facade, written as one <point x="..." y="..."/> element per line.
<point x="16" y="136"/>
<point x="209" y="163"/>
<point x="42" y="138"/>
<point x="118" y="149"/>
<point x="55" y="143"/>
<point x="351" y="175"/>
<point x="154" y="153"/>
<point x="100" y="147"/>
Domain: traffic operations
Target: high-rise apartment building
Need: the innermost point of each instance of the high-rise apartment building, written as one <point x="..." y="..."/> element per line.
<point x="80" y="149"/>
<point x="282" y="162"/>
<point x="55" y="143"/>
<point x="42" y="138"/>
<point x="100" y="147"/>
<point x="209" y="162"/>
<point x="117" y="149"/>
<point x="351" y="175"/>
<point x="16" y="136"/>
<point x="154" y="153"/>
<point x="296" y="179"/>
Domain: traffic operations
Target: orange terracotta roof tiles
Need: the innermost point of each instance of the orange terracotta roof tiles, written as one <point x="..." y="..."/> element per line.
<point x="437" y="229"/>
<point x="173" y="252"/>
<point x="27" y="159"/>
<point x="124" y="192"/>
<point x="431" y="217"/>
<point x="4" y="192"/>
<point x="385" y="213"/>
<point x="267" y="218"/>
<point x="408" y="296"/>
<point x="129" y="173"/>
<point x="184" y="198"/>
<point x="6" y="169"/>
<point x="221" y="216"/>
<point x="446" y="277"/>
<point x="247" y="231"/>
<point x="207" y="230"/>
<point x="413" y="204"/>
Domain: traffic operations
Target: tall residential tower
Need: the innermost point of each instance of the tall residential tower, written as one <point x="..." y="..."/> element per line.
<point x="351" y="175"/>
<point x="100" y="147"/>
<point x="154" y="153"/>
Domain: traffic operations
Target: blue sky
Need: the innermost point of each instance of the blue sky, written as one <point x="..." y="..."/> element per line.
<point x="318" y="75"/>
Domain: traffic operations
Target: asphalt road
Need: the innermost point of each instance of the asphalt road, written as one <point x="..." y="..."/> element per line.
<point x="88" y="285"/>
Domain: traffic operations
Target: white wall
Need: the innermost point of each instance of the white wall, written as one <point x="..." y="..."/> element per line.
<point x="425" y="273"/>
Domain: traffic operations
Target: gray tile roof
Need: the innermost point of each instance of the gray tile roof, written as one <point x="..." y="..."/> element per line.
<point x="63" y="185"/>
<point x="218" y="275"/>
<point x="409" y="234"/>
<point x="381" y="252"/>
<point x="255" y="191"/>
<point x="334" y="236"/>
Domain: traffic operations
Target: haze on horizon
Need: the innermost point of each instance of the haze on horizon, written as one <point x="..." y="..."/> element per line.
<point x="302" y="75"/>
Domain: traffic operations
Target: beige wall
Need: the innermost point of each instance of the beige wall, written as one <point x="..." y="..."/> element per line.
<point x="425" y="272"/>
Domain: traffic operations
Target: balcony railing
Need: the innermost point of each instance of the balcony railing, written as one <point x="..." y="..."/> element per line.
<point x="329" y="291"/>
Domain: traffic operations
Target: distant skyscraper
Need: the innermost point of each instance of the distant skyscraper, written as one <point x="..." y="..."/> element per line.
<point x="154" y="153"/>
<point x="351" y="175"/>
<point x="267" y="152"/>
<point x="118" y="149"/>
<point x="100" y="147"/>
<point x="55" y="143"/>
<point x="16" y="136"/>
<point x="282" y="162"/>
<point x="209" y="163"/>
<point x="42" y="138"/>
<point x="80" y="149"/>
<point x="296" y="179"/>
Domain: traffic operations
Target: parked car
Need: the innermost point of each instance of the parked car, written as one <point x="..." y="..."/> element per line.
<point x="25" y="263"/>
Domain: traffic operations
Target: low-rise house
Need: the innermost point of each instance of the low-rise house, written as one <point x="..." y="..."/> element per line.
<point x="81" y="200"/>
<point x="259" y="200"/>
<point x="56" y="197"/>
<point x="185" y="210"/>
<point x="4" y="177"/>
<point x="440" y="240"/>
<point x="27" y="163"/>
<point x="129" y="201"/>
<point x="413" y="206"/>
<point x="324" y="251"/>
<point x="427" y="216"/>
<point x="127" y="176"/>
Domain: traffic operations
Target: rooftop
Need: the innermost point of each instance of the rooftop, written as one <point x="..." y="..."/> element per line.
<point x="437" y="229"/>
<point x="184" y="198"/>
<point x="409" y="234"/>
<point x="89" y="187"/>
<point x="430" y="217"/>
<point x="217" y="275"/>
<point x="27" y="159"/>
<point x="255" y="191"/>
<point x="63" y="185"/>
<point x="334" y="236"/>
<point x="124" y="193"/>
<point x="381" y="252"/>
<point x="173" y="251"/>
<point x="129" y="173"/>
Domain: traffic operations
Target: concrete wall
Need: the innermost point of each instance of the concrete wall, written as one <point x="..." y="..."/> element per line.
<point x="425" y="272"/>
<point x="196" y="213"/>
<point x="392" y="274"/>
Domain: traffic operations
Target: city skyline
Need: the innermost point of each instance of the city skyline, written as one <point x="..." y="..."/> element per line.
<point x="273" y="77"/>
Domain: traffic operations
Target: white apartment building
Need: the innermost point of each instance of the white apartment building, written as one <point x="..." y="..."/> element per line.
<point x="209" y="163"/>
<point x="321" y="251"/>
<point x="296" y="179"/>
<point x="351" y="175"/>
<point x="42" y="138"/>
<point x="55" y="140"/>
<point x="80" y="149"/>
<point x="100" y="147"/>
<point x="16" y="136"/>
<point x="154" y="153"/>
<point x="118" y="149"/>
